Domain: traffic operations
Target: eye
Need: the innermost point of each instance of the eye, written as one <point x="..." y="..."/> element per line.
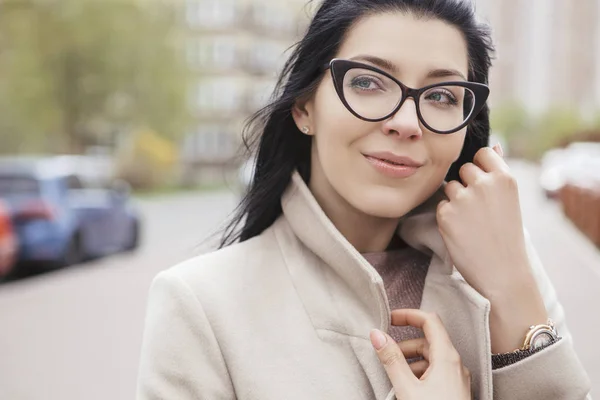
<point x="441" y="96"/>
<point x="367" y="83"/>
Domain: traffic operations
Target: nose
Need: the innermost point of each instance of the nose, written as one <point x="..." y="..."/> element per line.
<point x="405" y="123"/>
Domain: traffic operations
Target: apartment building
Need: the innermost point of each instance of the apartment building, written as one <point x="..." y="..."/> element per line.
<point x="235" y="48"/>
<point x="548" y="52"/>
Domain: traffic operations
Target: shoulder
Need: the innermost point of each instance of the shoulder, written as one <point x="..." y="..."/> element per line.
<point x="230" y="270"/>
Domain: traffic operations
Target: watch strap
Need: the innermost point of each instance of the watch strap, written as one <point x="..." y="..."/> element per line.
<point x="506" y="359"/>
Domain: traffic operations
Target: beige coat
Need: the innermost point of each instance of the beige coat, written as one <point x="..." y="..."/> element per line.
<point x="286" y="316"/>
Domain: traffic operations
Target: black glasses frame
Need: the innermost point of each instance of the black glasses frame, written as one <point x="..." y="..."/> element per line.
<point x="339" y="68"/>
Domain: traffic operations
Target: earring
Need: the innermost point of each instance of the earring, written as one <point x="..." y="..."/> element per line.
<point x="305" y="130"/>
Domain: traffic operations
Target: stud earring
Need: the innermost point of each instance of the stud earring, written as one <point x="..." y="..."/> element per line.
<point x="305" y="130"/>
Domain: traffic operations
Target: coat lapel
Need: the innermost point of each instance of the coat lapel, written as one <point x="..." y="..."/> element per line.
<point x="465" y="315"/>
<point x="464" y="312"/>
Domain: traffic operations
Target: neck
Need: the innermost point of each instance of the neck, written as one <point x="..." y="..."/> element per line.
<point x="366" y="233"/>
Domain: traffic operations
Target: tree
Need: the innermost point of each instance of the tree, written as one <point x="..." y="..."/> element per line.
<point x="77" y="72"/>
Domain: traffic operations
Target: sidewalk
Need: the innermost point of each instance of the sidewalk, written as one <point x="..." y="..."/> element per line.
<point x="572" y="262"/>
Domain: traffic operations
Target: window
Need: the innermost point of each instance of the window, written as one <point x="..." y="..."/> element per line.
<point x="267" y="56"/>
<point x="211" y="13"/>
<point x="224" y="52"/>
<point x="274" y="18"/>
<point x="261" y="92"/>
<point x="193" y="11"/>
<point x="73" y="182"/>
<point x="219" y="52"/>
<point x="220" y="94"/>
<point x="18" y="185"/>
<point x="208" y="142"/>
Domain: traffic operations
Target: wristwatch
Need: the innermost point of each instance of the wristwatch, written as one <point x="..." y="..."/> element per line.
<point x="540" y="336"/>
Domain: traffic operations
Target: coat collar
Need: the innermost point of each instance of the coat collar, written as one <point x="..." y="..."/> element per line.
<point x="464" y="312"/>
<point x="317" y="232"/>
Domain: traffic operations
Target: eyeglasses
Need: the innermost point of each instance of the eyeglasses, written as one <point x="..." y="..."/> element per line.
<point x="374" y="95"/>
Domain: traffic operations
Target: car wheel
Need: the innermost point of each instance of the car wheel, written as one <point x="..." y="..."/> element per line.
<point x="134" y="241"/>
<point x="74" y="252"/>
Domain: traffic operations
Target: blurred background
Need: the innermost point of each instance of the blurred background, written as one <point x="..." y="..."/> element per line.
<point x="120" y="125"/>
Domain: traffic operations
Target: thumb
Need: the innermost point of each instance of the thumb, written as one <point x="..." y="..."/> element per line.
<point x="393" y="361"/>
<point x="498" y="149"/>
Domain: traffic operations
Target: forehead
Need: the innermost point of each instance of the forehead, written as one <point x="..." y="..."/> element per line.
<point x="415" y="46"/>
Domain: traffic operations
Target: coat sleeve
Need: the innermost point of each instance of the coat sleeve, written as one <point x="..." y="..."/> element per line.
<point x="181" y="358"/>
<point x="553" y="373"/>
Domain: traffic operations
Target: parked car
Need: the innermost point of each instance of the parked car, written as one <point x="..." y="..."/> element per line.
<point x="59" y="219"/>
<point x="8" y="241"/>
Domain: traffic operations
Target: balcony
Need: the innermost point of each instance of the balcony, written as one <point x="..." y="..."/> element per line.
<point x="219" y="55"/>
<point x="270" y="20"/>
<point x="213" y="15"/>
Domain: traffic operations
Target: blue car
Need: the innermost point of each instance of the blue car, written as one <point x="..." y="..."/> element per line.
<point x="60" y="220"/>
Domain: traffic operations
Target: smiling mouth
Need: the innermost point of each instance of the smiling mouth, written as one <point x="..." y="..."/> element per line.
<point x="389" y="162"/>
<point x="391" y="169"/>
<point x="383" y="160"/>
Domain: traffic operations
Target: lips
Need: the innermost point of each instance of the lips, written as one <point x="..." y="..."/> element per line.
<point x="394" y="159"/>
<point x="392" y="165"/>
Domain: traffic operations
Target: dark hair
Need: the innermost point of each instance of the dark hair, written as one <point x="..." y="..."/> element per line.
<point x="272" y="134"/>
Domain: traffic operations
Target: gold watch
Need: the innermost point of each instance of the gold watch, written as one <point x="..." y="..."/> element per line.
<point x="540" y="336"/>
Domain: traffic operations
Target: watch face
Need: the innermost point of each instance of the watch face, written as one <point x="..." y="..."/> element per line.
<point x="542" y="339"/>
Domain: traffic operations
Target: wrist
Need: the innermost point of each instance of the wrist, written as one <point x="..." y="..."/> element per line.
<point x="512" y="313"/>
<point x="510" y="286"/>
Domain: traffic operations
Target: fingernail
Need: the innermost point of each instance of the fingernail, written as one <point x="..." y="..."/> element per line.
<point x="498" y="149"/>
<point x="378" y="339"/>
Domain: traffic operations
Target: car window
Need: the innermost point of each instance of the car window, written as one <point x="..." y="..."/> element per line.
<point x="19" y="185"/>
<point x="74" y="183"/>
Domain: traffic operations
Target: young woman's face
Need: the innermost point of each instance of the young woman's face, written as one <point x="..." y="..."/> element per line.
<point x="346" y="150"/>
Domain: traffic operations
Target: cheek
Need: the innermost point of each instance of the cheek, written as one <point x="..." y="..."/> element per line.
<point x="335" y="127"/>
<point x="445" y="149"/>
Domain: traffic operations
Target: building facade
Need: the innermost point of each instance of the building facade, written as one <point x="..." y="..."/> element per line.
<point x="548" y="53"/>
<point x="234" y="48"/>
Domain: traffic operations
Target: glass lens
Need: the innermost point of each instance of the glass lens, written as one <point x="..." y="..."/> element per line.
<point x="370" y="94"/>
<point x="446" y="107"/>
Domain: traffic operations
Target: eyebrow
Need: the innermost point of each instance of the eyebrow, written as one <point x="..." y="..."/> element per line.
<point x="391" y="67"/>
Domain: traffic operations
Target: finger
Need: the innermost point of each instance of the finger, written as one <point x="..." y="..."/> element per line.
<point x="498" y="149"/>
<point x="470" y="174"/>
<point x="489" y="161"/>
<point x="430" y="324"/>
<point x="394" y="363"/>
<point x="453" y="189"/>
<point x="415" y="348"/>
<point x="418" y="368"/>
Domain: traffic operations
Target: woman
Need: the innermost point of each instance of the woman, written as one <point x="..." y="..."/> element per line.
<point x="370" y="200"/>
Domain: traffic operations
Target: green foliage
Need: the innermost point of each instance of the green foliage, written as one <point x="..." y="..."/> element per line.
<point x="509" y="119"/>
<point x="530" y="136"/>
<point x="148" y="161"/>
<point x="74" y="72"/>
<point x="512" y="121"/>
<point x="554" y="127"/>
<point x="596" y="120"/>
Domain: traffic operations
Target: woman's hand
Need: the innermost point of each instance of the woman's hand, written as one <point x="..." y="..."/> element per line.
<point x="481" y="224"/>
<point x="441" y="375"/>
<point x="482" y="228"/>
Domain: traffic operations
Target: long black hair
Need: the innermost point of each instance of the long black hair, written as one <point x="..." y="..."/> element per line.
<point x="272" y="135"/>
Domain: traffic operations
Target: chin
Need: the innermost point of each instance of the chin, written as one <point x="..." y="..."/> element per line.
<point x="382" y="203"/>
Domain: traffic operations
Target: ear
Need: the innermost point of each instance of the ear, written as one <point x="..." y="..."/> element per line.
<point x="302" y="112"/>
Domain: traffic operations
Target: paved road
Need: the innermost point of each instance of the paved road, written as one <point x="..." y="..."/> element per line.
<point x="75" y="334"/>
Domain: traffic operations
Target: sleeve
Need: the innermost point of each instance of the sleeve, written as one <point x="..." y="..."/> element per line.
<point x="180" y="357"/>
<point x="506" y="359"/>
<point x="554" y="372"/>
